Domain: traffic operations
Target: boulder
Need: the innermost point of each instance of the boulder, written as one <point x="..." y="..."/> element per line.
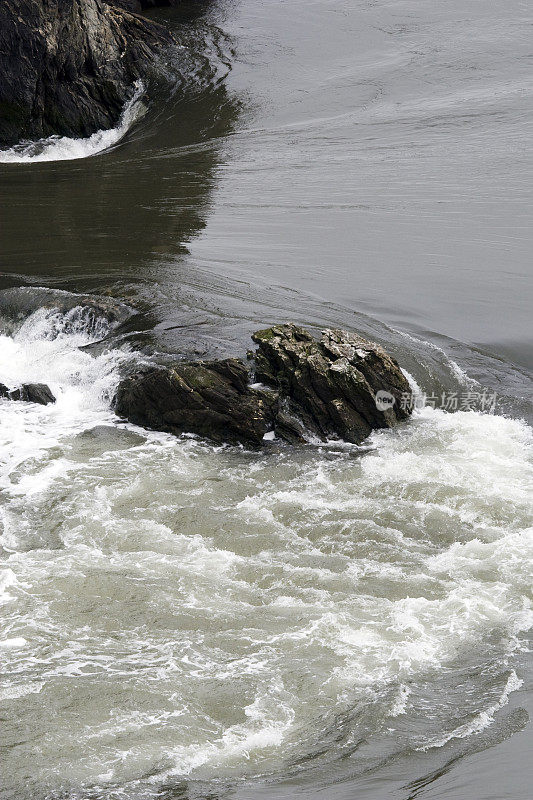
<point x="69" y="66"/>
<point x="30" y="393"/>
<point x="338" y="386"/>
<point x="331" y="384"/>
<point x="211" y="399"/>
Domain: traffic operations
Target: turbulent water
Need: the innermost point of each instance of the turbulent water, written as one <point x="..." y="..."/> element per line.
<point x="63" y="148"/>
<point x="189" y="621"/>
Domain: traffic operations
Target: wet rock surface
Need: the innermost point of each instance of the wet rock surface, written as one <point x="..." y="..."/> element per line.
<point x="69" y="66"/>
<point x="211" y="399"/>
<point x="331" y="384"/>
<point x="29" y="392"/>
<point x="325" y="387"/>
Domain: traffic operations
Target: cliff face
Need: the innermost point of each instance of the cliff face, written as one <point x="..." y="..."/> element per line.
<point x="69" y="66"/>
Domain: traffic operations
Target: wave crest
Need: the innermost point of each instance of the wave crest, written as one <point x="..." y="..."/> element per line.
<point x="64" y="148"/>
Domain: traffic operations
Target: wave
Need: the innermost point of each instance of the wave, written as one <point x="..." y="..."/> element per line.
<point x="49" y="348"/>
<point x="480" y="721"/>
<point x="64" y="148"/>
<point x="456" y="371"/>
<point x="379" y="586"/>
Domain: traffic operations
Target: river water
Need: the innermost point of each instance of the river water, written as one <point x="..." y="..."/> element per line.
<point x="189" y="621"/>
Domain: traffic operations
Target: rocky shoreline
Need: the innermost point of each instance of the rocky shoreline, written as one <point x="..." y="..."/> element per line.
<point x="69" y="66"/>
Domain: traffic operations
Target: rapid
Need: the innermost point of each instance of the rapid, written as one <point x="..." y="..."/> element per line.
<point x="184" y="620"/>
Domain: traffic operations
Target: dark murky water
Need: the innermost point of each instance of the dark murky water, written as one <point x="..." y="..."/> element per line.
<point x="362" y="164"/>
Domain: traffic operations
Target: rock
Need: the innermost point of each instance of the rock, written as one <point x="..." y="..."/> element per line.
<point x="331" y="384"/>
<point x="133" y="6"/>
<point x="211" y="399"/>
<point x="69" y="66"/>
<point x="101" y="439"/>
<point x="95" y="315"/>
<point x="341" y="385"/>
<point x="30" y="393"/>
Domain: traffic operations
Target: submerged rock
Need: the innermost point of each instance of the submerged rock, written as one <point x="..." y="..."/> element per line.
<point x="91" y="313"/>
<point x="341" y="385"/>
<point x="29" y="392"/>
<point x="69" y="66"/>
<point x="93" y="442"/>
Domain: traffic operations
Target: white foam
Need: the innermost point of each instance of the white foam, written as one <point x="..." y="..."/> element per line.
<point x="268" y="720"/>
<point x="14" y="692"/>
<point x="480" y="721"/>
<point x="14" y="643"/>
<point x="7" y="579"/>
<point x="415" y="387"/>
<point x="82" y="385"/>
<point x="64" y="148"/>
<point x="459" y="374"/>
<point x="79" y="326"/>
<point x="335" y="576"/>
<point x="401" y="701"/>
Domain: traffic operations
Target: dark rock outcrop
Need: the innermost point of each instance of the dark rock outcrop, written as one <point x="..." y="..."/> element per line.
<point x="341" y="385"/>
<point x="212" y="399"/>
<point x="331" y="384"/>
<point x="30" y="393"/>
<point x="69" y="66"/>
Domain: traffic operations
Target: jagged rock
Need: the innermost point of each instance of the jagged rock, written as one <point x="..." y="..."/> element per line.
<point x="69" y="66"/>
<point x="212" y="399"/>
<point x="341" y="385"/>
<point x="331" y="384"/>
<point x="30" y="393"/>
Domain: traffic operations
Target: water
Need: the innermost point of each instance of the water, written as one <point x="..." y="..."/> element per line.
<point x="183" y="620"/>
<point x="63" y="148"/>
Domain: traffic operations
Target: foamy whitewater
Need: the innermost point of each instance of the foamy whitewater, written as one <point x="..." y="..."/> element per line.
<point x="64" y="148"/>
<point x="206" y="612"/>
